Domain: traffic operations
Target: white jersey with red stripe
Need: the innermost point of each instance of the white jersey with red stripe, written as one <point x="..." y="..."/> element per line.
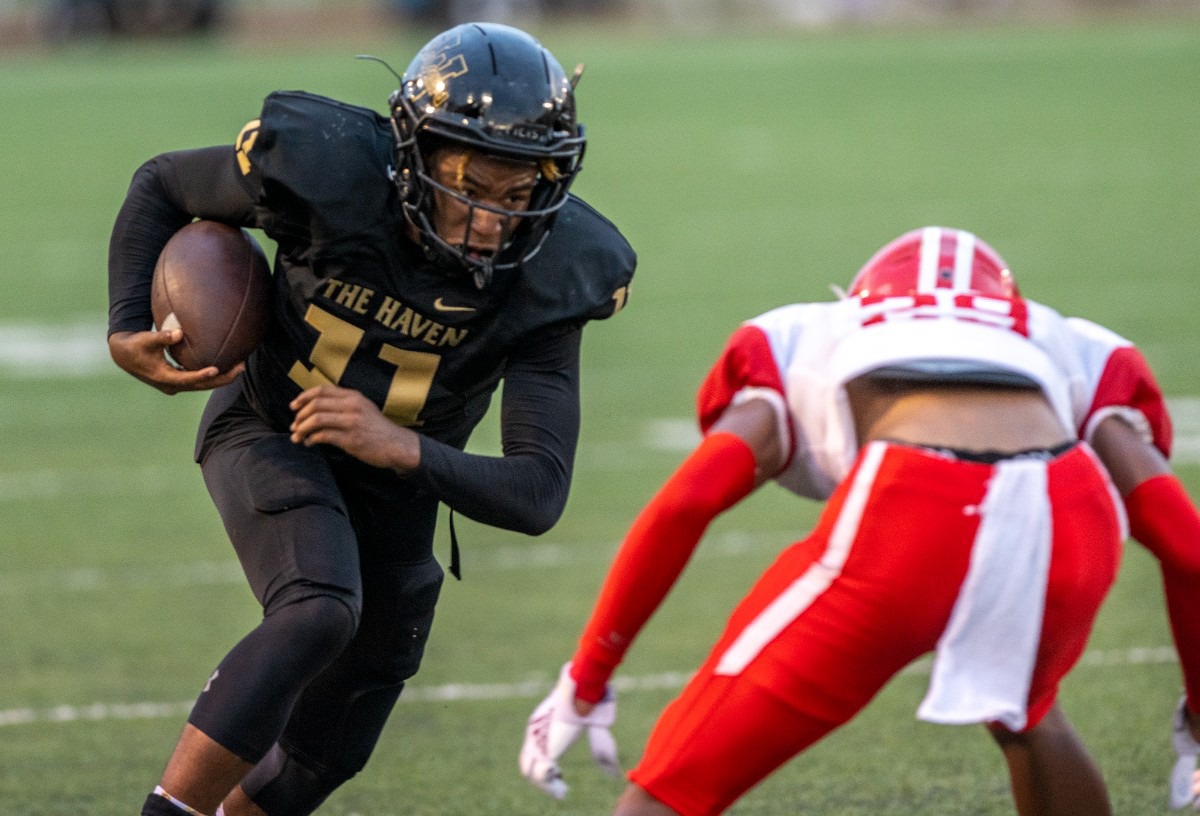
<point x="800" y="358"/>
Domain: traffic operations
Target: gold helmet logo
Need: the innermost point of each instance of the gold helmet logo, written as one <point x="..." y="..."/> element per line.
<point x="440" y="66"/>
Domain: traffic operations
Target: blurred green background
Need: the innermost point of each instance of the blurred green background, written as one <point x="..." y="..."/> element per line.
<point x="751" y="166"/>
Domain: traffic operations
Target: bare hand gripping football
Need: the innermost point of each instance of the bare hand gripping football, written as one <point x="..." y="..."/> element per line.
<point x="213" y="282"/>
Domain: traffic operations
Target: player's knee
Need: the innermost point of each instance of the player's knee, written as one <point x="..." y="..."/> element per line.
<point x="262" y="677"/>
<point x="283" y="783"/>
<point x="399" y="657"/>
<point x="392" y="646"/>
<point x="316" y="627"/>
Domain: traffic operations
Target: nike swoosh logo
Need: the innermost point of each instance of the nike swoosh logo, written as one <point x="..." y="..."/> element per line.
<point x="442" y="307"/>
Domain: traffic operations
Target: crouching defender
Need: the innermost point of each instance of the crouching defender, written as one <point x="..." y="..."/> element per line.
<point x="940" y="415"/>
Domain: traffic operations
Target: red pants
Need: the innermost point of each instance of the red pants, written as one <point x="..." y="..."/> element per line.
<point x="879" y="578"/>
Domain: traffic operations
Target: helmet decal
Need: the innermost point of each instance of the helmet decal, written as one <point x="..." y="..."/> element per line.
<point x="438" y="65"/>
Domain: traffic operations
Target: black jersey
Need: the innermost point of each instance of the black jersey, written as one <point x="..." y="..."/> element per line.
<point x="358" y="304"/>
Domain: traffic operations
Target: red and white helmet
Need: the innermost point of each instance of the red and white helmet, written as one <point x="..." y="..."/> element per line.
<point x="933" y="258"/>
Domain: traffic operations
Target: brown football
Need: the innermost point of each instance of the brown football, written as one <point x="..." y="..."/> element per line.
<point x="213" y="281"/>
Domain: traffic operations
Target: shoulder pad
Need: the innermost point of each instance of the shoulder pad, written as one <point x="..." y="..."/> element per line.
<point x="584" y="270"/>
<point x="308" y="155"/>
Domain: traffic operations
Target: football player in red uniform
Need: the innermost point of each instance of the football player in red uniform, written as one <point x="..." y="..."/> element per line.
<point x="955" y="430"/>
<point x="421" y="258"/>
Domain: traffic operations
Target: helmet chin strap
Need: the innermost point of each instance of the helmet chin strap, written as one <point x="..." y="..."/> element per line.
<point x="481" y="268"/>
<point x="483" y="274"/>
<point x="442" y="254"/>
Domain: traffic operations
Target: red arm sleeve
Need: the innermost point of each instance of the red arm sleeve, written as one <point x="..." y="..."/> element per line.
<point x="716" y="476"/>
<point x="746" y="362"/>
<point x="1127" y="382"/>
<point x="1163" y="518"/>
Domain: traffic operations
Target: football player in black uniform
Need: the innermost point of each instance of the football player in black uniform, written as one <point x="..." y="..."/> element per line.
<point x="422" y="258"/>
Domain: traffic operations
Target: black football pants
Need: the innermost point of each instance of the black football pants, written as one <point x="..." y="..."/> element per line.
<point x="340" y="557"/>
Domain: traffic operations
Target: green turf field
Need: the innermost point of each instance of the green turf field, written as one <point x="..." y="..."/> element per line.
<point x="749" y="171"/>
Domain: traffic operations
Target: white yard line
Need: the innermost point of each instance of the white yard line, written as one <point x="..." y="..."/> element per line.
<point x="38" y="350"/>
<point x="53" y="483"/>
<point x="97" y="579"/>
<point x="473" y="692"/>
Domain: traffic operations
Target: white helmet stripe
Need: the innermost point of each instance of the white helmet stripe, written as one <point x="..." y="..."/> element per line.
<point x="931" y="250"/>
<point x="964" y="260"/>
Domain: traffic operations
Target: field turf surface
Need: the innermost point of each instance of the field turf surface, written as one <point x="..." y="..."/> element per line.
<point x="749" y="170"/>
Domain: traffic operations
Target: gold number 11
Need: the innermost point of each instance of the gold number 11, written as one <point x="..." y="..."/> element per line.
<point x="338" y="339"/>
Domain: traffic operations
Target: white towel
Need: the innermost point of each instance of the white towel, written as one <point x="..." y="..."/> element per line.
<point x="986" y="655"/>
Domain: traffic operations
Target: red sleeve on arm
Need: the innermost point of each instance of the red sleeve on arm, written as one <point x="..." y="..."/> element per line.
<point x="1163" y="518"/>
<point x="746" y="362"/>
<point x="1127" y="381"/>
<point x="716" y="476"/>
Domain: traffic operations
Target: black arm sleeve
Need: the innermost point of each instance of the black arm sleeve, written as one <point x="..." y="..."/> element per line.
<point x="525" y="489"/>
<point x="166" y="193"/>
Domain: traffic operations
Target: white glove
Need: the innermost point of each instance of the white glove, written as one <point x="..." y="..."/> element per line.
<point x="1185" y="783"/>
<point x="554" y="726"/>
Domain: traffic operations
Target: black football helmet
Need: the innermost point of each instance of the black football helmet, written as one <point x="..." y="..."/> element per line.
<point x="494" y="89"/>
